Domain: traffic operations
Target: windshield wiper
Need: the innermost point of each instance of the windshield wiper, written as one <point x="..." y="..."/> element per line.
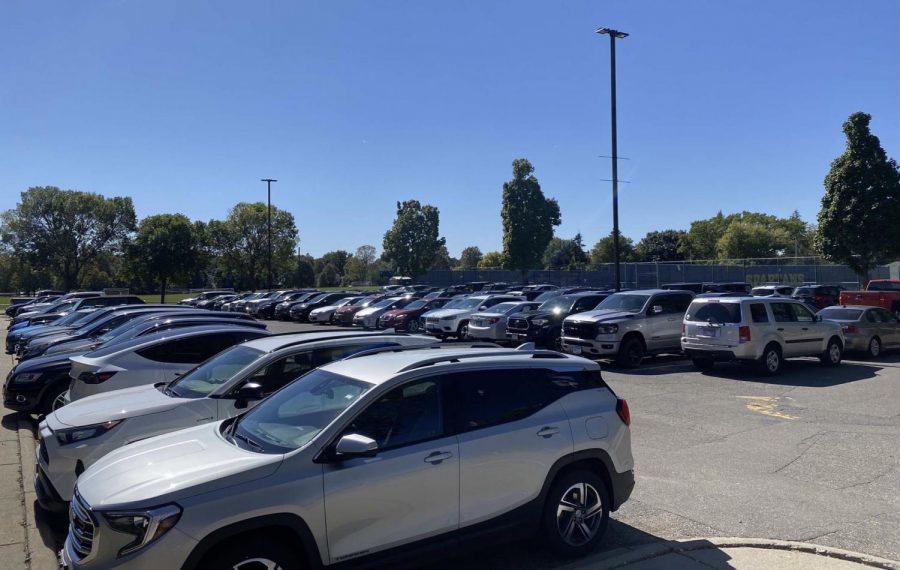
<point x="246" y="439"/>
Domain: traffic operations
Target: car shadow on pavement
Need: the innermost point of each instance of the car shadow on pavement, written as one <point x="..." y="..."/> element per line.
<point x="52" y="527"/>
<point x="806" y="372"/>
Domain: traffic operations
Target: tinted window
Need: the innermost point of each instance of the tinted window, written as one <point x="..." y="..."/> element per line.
<point x="492" y="397"/>
<point x="886" y="317"/>
<point x="758" y="313"/>
<point x="206" y="378"/>
<point x="872" y="317"/>
<point x="782" y="312"/>
<point x="193" y="350"/>
<point x="586" y="304"/>
<point x="883" y="286"/>
<point x="673" y="304"/>
<point x="802" y="314"/>
<point x="406" y="415"/>
<point x="840" y="314"/>
<point x="714" y="312"/>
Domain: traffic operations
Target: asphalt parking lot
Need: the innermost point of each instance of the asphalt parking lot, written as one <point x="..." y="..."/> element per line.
<point x="812" y="455"/>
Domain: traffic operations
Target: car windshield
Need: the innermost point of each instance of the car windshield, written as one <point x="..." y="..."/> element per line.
<point x="469" y="303"/>
<point x="714" y="312"/>
<point x="294" y="415"/>
<point x="416" y="305"/>
<point x="559" y="304"/>
<point x="547" y="295"/>
<point x="128" y="328"/>
<point x="206" y="378"/>
<point x="317" y="298"/>
<point x="454" y="304"/>
<point x="762" y="291"/>
<point x="840" y="314"/>
<point x="618" y="302"/>
<point x="76" y="319"/>
<point x="384" y="303"/>
<point x="503" y="308"/>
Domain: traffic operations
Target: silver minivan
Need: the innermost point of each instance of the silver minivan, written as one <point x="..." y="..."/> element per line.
<point x="765" y="330"/>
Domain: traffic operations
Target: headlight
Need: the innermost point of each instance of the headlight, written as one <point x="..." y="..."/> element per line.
<point x="540" y="322"/>
<point x="400" y="317"/>
<point x="607" y="329"/>
<point x="26" y="378"/>
<point x="143" y="526"/>
<point x="450" y="318"/>
<point x="67" y="436"/>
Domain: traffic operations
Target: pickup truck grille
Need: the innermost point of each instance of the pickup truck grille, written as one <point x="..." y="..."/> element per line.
<point x="81" y="528"/>
<point x="579" y="329"/>
<point x="517" y="324"/>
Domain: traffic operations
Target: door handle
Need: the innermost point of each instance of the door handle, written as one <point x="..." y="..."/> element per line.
<point x="804" y="329"/>
<point x="437" y="457"/>
<point x="548" y="431"/>
<point x="781" y="329"/>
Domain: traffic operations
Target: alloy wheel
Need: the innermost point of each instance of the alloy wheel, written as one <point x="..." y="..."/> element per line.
<point x="257" y="564"/>
<point x="58" y="402"/>
<point x="834" y="352"/>
<point x="874" y="347"/>
<point x="579" y="514"/>
<point x="773" y="361"/>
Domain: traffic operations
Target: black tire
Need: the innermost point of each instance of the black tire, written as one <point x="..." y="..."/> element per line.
<point x="703" y="364"/>
<point x="771" y="361"/>
<point x="50" y="397"/>
<point x="874" y="349"/>
<point x="462" y="331"/>
<point x="566" y="507"/>
<point x="834" y="351"/>
<point x="631" y="353"/>
<point x="413" y="326"/>
<point x="253" y="553"/>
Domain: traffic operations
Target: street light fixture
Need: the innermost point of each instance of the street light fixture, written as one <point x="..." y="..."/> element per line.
<point x="613" y="34"/>
<point x="269" y="182"/>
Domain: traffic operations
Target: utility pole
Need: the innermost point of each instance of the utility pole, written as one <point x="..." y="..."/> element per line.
<point x="613" y="34"/>
<point x="269" y="182"/>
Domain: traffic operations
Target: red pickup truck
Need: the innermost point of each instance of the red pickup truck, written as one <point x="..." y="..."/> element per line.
<point x="884" y="293"/>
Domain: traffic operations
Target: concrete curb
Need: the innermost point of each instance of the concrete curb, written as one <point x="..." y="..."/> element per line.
<point x="39" y="555"/>
<point x="676" y="546"/>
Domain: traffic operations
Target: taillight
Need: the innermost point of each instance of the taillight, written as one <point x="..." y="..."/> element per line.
<point x="96" y="377"/>
<point x="744" y="334"/>
<point x="852" y="329"/>
<point x="623" y="411"/>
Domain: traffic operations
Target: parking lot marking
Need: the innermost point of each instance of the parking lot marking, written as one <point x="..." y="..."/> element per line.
<point x="766" y="405"/>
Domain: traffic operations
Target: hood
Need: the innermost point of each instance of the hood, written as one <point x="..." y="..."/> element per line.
<point x="165" y="468"/>
<point x="46" y="339"/>
<point x="535" y="315"/>
<point x="115" y="405"/>
<point x="369" y="311"/>
<point x="43" y="363"/>
<point x="448" y="312"/>
<point x="350" y="309"/>
<point x="602" y="316"/>
<point x="393" y="313"/>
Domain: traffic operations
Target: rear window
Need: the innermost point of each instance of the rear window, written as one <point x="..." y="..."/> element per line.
<point x="884" y="286"/>
<point x="841" y="314"/>
<point x="804" y="292"/>
<point x="714" y="312"/>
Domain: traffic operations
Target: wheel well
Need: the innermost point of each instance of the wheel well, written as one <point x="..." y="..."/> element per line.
<point x="635" y="334"/>
<point x="776" y="344"/>
<point x="593" y="464"/>
<point x="841" y="344"/>
<point x="278" y="534"/>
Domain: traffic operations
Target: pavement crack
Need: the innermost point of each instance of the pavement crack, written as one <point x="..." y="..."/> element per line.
<point x="814" y="437"/>
<point x="872" y="480"/>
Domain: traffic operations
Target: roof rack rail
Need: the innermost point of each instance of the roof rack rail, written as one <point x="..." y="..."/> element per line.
<point x="354" y="334"/>
<point x="399" y="348"/>
<point x="481" y="354"/>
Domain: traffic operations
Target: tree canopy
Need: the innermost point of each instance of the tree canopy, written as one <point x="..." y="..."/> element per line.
<point x="166" y="247"/>
<point x="602" y="252"/>
<point x="528" y="218"/>
<point x="413" y="241"/>
<point x="660" y="246"/>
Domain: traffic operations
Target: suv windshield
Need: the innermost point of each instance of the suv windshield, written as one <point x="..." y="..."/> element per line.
<point x="291" y="417"/>
<point x="617" y="302"/>
<point x="75" y="318"/>
<point x="469" y="303"/>
<point x="204" y="379"/>
<point x="558" y="305"/>
<point x="714" y="312"/>
<point x="547" y="295"/>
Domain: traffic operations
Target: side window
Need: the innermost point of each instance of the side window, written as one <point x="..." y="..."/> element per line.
<point x="406" y="415"/>
<point x="493" y="397"/>
<point x="782" y="312"/>
<point x="673" y="304"/>
<point x="175" y="351"/>
<point x="872" y="316"/>
<point x="758" y="313"/>
<point x="801" y="313"/>
<point x="282" y="371"/>
<point x="886" y="317"/>
<point x="585" y="304"/>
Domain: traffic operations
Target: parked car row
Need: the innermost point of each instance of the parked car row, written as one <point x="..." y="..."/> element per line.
<point x="178" y="437"/>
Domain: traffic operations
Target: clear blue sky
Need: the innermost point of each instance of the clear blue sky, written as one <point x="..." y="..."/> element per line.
<point x="354" y="105"/>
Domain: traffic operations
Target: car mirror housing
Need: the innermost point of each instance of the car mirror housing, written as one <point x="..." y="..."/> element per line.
<point x="355" y="445"/>
<point x="250" y="391"/>
<point x="656" y="309"/>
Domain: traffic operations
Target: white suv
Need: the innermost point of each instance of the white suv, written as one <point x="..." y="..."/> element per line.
<point x="76" y="435"/>
<point x="454" y="321"/>
<point x="765" y="330"/>
<point x="361" y="460"/>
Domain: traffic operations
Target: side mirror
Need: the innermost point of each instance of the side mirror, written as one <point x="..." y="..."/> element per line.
<point x="482" y="308"/>
<point x="355" y="445"/>
<point x="248" y="392"/>
<point x="656" y="309"/>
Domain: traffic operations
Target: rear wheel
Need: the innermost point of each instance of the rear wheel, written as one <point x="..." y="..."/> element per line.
<point x="703" y="364"/>
<point x="874" y="347"/>
<point x="833" y="353"/>
<point x="631" y="353"/>
<point x="770" y="362"/>
<point x="576" y="513"/>
<point x="413" y="326"/>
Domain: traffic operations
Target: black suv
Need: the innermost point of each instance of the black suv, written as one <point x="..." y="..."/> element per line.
<point x="544" y="326"/>
<point x="819" y="296"/>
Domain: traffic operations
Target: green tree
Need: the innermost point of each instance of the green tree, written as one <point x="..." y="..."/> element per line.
<point x="602" y="252"/>
<point x="858" y="221"/>
<point x="442" y="259"/>
<point x="528" y="219"/>
<point x="338" y="258"/>
<point x="491" y="260"/>
<point x="799" y="236"/>
<point x="304" y="275"/>
<point x="470" y="257"/>
<point x="166" y="248"/>
<point x="63" y="231"/>
<point x="412" y="242"/>
<point x="700" y="240"/>
<point x="565" y="253"/>
<point x="329" y="277"/>
<point x="750" y="239"/>
<point x="660" y="246"/>
<point x="240" y="242"/>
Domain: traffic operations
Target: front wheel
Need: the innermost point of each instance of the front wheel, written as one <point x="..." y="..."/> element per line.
<point x="833" y="353"/>
<point x="874" y="347"/>
<point x="413" y="326"/>
<point x="54" y="399"/>
<point x="462" y="332"/>
<point x="631" y="353"/>
<point x="256" y="554"/>
<point x="576" y="513"/>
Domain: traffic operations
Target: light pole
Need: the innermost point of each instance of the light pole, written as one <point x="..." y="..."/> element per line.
<point x="269" y="182"/>
<point x="613" y="34"/>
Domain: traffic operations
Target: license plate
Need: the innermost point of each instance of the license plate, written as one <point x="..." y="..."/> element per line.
<point x="709" y="332"/>
<point x="576" y="349"/>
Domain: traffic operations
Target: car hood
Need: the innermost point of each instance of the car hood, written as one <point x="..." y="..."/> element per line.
<point x="369" y="311"/>
<point x="167" y="467"/>
<point x="115" y="405"/>
<point x="448" y="312"/>
<point x="396" y="313"/>
<point x="602" y="316"/>
<point x="41" y="363"/>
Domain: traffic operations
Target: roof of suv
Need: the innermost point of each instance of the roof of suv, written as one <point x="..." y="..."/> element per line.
<point x="654" y="292"/>
<point x="381" y="367"/>
<point x="275" y="342"/>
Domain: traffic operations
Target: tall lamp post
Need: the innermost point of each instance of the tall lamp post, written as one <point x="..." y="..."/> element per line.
<point x="269" y="182"/>
<point x="613" y="34"/>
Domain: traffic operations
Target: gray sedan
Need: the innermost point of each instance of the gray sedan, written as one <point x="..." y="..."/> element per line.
<point x="866" y="329"/>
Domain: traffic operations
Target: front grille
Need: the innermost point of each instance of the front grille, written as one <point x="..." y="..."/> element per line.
<point x="81" y="526"/>
<point x="432" y="320"/>
<point x="517" y="324"/>
<point x="576" y="329"/>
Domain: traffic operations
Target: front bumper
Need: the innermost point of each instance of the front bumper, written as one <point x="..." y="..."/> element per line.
<point x="492" y="332"/>
<point x="22" y="397"/>
<point x="61" y="465"/>
<point x="590" y="348"/>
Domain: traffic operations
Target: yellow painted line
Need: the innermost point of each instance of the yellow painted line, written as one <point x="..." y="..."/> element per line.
<point x="766" y="405"/>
